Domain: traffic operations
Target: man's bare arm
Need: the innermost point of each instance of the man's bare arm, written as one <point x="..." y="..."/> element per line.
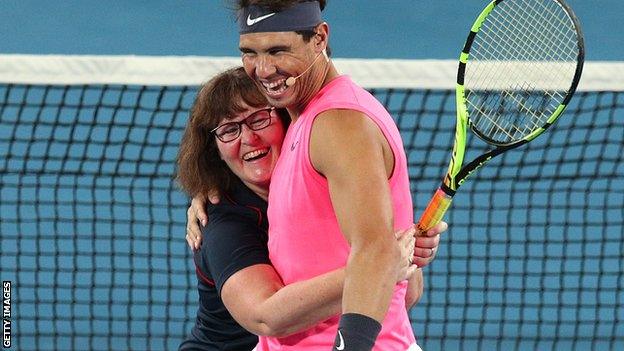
<point x="352" y="153"/>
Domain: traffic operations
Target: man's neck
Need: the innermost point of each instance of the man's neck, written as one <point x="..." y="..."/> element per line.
<point x="295" y="111"/>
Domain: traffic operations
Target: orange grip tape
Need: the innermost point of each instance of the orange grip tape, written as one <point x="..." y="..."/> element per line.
<point x="440" y="202"/>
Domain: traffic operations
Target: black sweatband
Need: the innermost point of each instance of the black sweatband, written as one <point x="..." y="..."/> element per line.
<point x="301" y="16"/>
<point x="356" y="332"/>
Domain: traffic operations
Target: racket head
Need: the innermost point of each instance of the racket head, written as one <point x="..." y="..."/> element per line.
<point x="520" y="66"/>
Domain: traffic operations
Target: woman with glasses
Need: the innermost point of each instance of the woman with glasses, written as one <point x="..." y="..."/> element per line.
<point x="231" y="145"/>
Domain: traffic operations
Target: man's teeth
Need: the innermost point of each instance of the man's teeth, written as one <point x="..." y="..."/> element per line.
<point x="276" y="86"/>
<point x="251" y="155"/>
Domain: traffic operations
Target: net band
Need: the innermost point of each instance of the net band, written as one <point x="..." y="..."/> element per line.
<point x="194" y="70"/>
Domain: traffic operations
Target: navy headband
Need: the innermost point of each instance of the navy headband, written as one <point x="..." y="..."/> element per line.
<point x="301" y="16"/>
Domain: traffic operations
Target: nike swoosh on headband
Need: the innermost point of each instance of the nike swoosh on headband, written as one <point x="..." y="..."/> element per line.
<point x="251" y="22"/>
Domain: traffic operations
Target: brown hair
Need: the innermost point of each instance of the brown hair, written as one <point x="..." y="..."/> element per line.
<point x="200" y="168"/>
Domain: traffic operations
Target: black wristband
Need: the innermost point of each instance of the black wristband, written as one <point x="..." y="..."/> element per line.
<point x="356" y="332"/>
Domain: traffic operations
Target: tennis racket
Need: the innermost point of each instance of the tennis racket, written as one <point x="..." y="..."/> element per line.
<point x="518" y="70"/>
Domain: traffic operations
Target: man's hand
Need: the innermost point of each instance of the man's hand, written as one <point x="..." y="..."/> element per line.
<point x="196" y="214"/>
<point x="427" y="245"/>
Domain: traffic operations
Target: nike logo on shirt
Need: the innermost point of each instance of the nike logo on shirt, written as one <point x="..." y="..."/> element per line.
<point x="341" y="344"/>
<point x="252" y="21"/>
<point x="294" y="145"/>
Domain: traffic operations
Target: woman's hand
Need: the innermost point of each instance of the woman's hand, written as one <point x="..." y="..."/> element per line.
<point x="427" y="245"/>
<point x="407" y="240"/>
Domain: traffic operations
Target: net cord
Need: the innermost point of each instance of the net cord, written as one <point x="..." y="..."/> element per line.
<point x="194" y="70"/>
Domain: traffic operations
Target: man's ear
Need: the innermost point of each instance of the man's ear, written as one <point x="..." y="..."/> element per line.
<point x="321" y="39"/>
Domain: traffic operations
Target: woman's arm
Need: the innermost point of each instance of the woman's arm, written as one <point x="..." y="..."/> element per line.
<point x="258" y="300"/>
<point x="256" y="297"/>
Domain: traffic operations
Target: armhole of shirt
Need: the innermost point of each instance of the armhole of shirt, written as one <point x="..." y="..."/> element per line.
<point x="347" y="106"/>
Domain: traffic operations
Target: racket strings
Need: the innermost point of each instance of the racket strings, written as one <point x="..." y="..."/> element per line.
<point x="512" y="128"/>
<point x="531" y="31"/>
<point x="510" y="56"/>
<point x="554" y="24"/>
<point x="514" y="37"/>
<point x="522" y="36"/>
<point x="520" y="68"/>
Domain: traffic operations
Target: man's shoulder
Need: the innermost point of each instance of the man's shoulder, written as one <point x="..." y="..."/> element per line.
<point x="344" y="94"/>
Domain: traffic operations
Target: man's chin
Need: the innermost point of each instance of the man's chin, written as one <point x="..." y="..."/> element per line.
<point x="281" y="102"/>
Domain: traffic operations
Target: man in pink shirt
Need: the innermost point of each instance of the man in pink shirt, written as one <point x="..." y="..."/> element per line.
<point x="343" y="173"/>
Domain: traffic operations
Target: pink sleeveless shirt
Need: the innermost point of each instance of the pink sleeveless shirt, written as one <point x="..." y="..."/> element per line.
<point x="304" y="237"/>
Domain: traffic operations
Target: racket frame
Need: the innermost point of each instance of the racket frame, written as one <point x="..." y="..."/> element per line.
<point x="456" y="174"/>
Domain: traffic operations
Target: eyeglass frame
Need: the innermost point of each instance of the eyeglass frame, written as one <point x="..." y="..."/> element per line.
<point x="244" y="121"/>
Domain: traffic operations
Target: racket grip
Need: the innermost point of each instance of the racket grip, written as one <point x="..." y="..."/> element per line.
<point x="440" y="202"/>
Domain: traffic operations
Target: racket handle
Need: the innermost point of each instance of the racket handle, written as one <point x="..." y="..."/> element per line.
<point x="440" y="202"/>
